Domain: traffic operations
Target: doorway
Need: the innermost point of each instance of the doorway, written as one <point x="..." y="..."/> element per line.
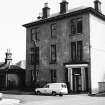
<point x="77" y="82"/>
<point x="77" y="78"/>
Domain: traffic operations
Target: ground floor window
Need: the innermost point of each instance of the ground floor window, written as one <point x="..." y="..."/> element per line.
<point x="53" y="76"/>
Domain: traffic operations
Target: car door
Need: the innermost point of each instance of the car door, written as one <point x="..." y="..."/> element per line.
<point x="46" y="89"/>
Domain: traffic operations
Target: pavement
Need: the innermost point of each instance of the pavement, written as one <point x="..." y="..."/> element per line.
<point x="5" y="101"/>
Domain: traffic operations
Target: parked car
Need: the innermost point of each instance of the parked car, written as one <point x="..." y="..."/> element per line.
<point x="53" y="89"/>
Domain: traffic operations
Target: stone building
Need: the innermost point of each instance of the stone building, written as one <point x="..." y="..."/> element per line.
<point x="67" y="47"/>
<point x="11" y="76"/>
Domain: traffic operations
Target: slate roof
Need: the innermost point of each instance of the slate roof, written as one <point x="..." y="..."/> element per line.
<point x="4" y="66"/>
<point x="7" y="67"/>
<point x="70" y="13"/>
<point x="15" y="67"/>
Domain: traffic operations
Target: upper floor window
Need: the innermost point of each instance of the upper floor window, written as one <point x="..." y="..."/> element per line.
<point x="34" y="56"/>
<point x="35" y="34"/>
<point x="37" y="55"/>
<point x="76" y="51"/>
<point x="76" y="26"/>
<point x="53" y="53"/>
<point x="53" y="30"/>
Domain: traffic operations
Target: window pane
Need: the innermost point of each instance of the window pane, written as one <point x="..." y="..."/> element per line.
<point x="73" y="51"/>
<point x="73" y="27"/>
<point x="53" y="30"/>
<point x="76" y="26"/>
<point x="79" y="50"/>
<point x="37" y="55"/>
<point x="53" y="53"/>
<point x="35" y="34"/>
<point x="32" y="56"/>
<point x="79" y="26"/>
<point x="53" y="75"/>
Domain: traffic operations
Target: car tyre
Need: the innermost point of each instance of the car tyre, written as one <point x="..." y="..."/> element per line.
<point x="38" y="93"/>
<point x="60" y="94"/>
<point x="54" y="93"/>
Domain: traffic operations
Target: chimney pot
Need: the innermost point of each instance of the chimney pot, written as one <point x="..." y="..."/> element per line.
<point x="46" y="5"/>
<point x="46" y="11"/>
<point x="8" y="58"/>
<point x="97" y="5"/>
<point x="63" y="6"/>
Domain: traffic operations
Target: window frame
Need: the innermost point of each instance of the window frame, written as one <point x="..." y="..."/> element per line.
<point x="79" y="50"/>
<point x="53" y="28"/>
<point x="53" y="75"/>
<point x="74" y="23"/>
<point x="53" y="58"/>
<point x="77" y="53"/>
<point x="32" y="56"/>
<point x="35" y="34"/>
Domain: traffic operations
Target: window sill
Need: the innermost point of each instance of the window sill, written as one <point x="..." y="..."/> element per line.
<point x="76" y="34"/>
<point x="53" y="63"/>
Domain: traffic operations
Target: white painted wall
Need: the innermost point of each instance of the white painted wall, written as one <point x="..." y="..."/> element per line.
<point x="97" y="45"/>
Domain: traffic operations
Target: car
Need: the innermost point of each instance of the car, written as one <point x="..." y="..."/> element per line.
<point x="53" y="89"/>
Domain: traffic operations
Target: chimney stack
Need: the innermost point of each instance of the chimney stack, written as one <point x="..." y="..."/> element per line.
<point x="8" y="58"/>
<point x="63" y="6"/>
<point x="46" y="11"/>
<point x="97" y="5"/>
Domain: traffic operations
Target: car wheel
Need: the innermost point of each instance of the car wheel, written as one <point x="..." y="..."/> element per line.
<point x="60" y="94"/>
<point x="54" y="93"/>
<point x="38" y="92"/>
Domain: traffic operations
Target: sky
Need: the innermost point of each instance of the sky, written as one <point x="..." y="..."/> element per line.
<point x="15" y="13"/>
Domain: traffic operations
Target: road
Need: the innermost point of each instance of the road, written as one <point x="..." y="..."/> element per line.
<point x="81" y="99"/>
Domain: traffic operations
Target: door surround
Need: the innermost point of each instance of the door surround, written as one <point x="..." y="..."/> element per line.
<point x="70" y="75"/>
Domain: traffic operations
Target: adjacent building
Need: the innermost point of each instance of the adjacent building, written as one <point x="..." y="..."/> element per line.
<point x="67" y="47"/>
<point x="11" y="76"/>
<point x="21" y="64"/>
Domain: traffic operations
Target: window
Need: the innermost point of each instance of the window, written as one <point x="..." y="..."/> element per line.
<point x="73" y="27"/>
<point x="37" y="55"/>
<point x="76" y="51"/>
<point x="76" y="26"/>
<point x="79" y="25"/>
<point x="35" y="34"/>
<point x="46" y="86"/>
<point x="79" y="50"/>
<point x="53" y="76"/>
<point x="34" y="56"/>
<point x="53" y="30"/>
<point x="64" y="86"/>
<point x="73" y="51"/>
<point x="53" y="53"/>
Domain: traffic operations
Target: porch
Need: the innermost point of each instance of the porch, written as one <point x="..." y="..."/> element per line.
<point x="77" y="77"/>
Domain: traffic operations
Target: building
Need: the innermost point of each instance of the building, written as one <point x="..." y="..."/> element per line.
<point x="67" y="47"/>
<point x="11" y="76"/>
<point x="21" y="64"/>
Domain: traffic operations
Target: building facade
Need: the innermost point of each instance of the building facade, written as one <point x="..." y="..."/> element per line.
<point x="67" y="48"/>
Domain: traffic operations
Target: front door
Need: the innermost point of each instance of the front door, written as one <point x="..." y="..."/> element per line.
<point x="77" y="83"/>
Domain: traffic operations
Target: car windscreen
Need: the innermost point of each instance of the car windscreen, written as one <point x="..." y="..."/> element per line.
<point x="64" y="86"/>
<point x="46" y="86"/>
